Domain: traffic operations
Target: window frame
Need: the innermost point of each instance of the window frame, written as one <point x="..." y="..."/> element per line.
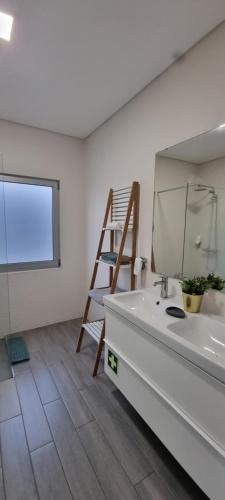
<point x="45" y="264"/>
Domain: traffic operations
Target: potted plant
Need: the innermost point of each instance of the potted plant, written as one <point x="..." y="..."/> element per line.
<point x="215" y="282"/>
<point x="193" y="290"/>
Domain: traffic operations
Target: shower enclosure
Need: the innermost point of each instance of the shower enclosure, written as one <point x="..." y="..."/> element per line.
<point x="189" y="228"/>
<point x="5" y="370"/>
<point x="169" y="205"/>
<point x="201" y="250"/>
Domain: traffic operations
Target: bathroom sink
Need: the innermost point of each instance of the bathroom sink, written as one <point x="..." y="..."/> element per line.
<point x="143" y="306"/>
<point x="141" y="302"/>
<point x="206" y="333"/>
<point x="140" y="305"/>
<point x="200" y="339"/>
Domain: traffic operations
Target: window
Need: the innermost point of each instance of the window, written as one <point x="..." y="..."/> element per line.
<point x="29" y="223"/>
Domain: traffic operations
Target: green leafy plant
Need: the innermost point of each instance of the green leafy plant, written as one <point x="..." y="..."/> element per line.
<point x="195" y="286"/>
<point x="215" y="282"/>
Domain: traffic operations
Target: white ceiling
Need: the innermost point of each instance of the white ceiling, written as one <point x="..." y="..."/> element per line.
<point x="200" y="149"/>
<point x="72" y="63"/>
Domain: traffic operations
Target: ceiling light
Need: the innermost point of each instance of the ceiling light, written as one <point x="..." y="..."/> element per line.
<point x="222" y="126"/>
<point x="6" y="22"/>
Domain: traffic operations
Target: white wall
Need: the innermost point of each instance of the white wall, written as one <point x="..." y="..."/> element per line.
<point x="213" y="173"/>
<point x="185" y="101"/>
<point x="47" y="296"/>
<point x="171" y="173"/>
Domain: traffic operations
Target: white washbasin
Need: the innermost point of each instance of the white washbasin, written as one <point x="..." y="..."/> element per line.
<point x="206" y="333"/>
<point x="144" y="306"/>
<point x="198" y="338"/>
<point x="141" y="302"/>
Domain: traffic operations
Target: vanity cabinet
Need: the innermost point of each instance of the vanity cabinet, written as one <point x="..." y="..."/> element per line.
<point x="183" y="405"/>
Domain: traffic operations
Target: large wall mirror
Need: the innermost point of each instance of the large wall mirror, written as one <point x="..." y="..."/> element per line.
<point x="189" y="207"/>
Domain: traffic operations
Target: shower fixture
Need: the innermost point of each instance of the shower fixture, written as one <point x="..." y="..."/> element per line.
<point x="210" y="189"/>
<point x="204" y="187"/>
<point x="214" y="195"/>
<point x="200" y="188"/>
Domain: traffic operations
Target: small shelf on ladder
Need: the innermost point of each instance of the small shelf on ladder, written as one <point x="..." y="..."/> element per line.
<point x="94" y="329"/>
<point x="116" y="228"/>
<point x="122" y="210"/>
<point x="104" y="258"/>
<point x="97" y="294"/>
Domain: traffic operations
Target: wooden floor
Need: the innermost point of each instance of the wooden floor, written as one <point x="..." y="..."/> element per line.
<point x="65" y="435"/>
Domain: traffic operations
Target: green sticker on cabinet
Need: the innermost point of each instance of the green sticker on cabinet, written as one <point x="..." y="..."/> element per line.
<point x="112" y="362"/>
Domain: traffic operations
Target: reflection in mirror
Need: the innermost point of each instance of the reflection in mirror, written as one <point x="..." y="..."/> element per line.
<point x="189" y="207"/>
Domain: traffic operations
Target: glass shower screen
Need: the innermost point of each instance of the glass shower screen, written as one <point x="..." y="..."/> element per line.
<point x="4" y="278"/>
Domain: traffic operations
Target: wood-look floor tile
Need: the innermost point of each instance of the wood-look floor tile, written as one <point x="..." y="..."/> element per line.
<point x="20" y="368"/>
<point x="119" y="434"/>
<point x="18" y="474"/>
<point x="46" y="387"/>
<point x="35" y="421"/>
<point x="50" y="350"/>
<point x="50" y="478"/>
<point x="87" y="356"/>
<point x="78" y="371"/>
<point x="110" y="473"/>
<point x="73" y="372"/>
<point x="9" y="402"/>
<point x="107" y="387"/>
<point x="32" y="339"/>
<point x="74" y="403"/>
<point x="73" y="329"/>
<point x="68" y="339"/>
<point x="152" y="488"/>
<point x="165" y="466"/>
<point x="79" y="473"/>
<point x="69" y="332"/>
<point x="60" y="339"/>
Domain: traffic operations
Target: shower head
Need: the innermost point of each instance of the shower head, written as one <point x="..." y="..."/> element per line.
<point x="200" y="188"/>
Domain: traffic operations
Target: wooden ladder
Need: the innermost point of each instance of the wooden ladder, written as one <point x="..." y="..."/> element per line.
<point x="122" y="207"/>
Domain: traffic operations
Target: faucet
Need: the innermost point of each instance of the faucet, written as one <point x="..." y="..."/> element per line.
<point x="164" y="287"/>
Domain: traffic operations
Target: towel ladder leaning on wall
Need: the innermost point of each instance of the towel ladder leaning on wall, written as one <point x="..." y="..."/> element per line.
<point x="121" y="214"/>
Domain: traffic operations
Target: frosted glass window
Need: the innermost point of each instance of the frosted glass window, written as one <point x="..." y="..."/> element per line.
<point x="28" y="223"/>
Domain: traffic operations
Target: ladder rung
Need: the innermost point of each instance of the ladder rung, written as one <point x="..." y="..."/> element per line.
<point x="122" y="196"/>
<point x="94" y="329"/>
<point x="123" y="203"/>
<point x="120" y="210"/>
<point x="122" y="189"/>
<point x="121" y="216"/>
<point x="122" y="219"/>
<point x="118" y="229"/>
